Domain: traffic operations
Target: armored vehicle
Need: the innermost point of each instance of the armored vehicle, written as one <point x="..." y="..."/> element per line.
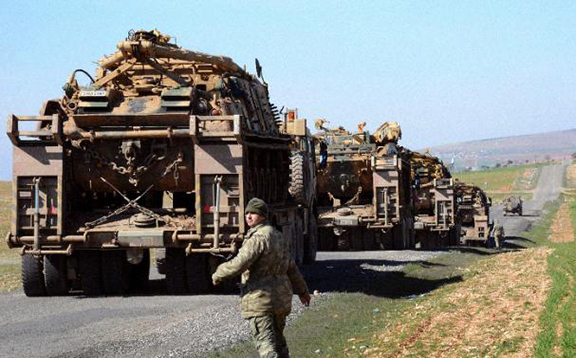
<point x="364" y="193"/>
<point x="473" y="214"/>
<point x="434" y="202"/>
<point x="162" y="149"/>
<point x="512" y="205"/>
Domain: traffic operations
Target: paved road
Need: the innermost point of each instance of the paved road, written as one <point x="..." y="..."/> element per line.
<point x="547" y="189"/>
<point x="157" y="325"/>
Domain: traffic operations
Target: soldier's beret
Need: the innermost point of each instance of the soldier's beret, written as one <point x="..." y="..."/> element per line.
<point x="257" y="206"/>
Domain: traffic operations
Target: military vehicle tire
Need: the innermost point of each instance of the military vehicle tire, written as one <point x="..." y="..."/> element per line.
<point x="297" y="188"/>
<point x="91" y="272"/>
<point x="311" y="244"/>
<point x="115" y="273"/>
<point x="197" y="273"/>
<point x="298" y="241"/>
<point x="326" y="239"/>
<point x="454" y="235"/>
<point x="33" y="276"/>
<point x="56" y="275"/>
<point x="401" y="235"/>
<point x="176" y="271"/>
<point x="160" y="255"/>
<point x="140" y="273"/>
<point x="410" y="233"/>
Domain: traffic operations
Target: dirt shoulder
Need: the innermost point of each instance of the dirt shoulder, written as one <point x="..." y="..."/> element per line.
<point x="493" y="313"/>
<point x="562" y="229"/>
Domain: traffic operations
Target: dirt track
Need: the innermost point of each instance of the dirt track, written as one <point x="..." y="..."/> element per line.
<point x="157" y="325"/>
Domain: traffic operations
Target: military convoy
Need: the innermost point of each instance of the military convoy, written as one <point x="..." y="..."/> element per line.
<point x="160" y="153"/>
<point x="364" y="194"/>
<point x="162" y="149"/>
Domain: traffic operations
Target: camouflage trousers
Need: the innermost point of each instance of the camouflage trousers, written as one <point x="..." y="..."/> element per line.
<point x="268" y="334"/>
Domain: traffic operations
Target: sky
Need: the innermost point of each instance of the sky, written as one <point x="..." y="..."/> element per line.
<point x="447" y="71"/>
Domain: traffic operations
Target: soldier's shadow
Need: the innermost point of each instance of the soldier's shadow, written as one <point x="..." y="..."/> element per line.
<point x="381" y="278"/>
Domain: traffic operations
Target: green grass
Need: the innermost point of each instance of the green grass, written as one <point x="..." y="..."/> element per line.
<point x="341" y="317"/>
<point x="500" y="183"/>
<point x="557" y="337"/>
<point x="9" y="258"/>
<point x="5" y="213"/>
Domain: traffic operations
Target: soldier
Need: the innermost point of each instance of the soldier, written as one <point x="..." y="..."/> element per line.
<point x="269" y="278"/>
<point x="498" y="234"/>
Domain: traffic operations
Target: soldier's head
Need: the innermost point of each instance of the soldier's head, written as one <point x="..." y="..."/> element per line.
<point x="256" y="212"/>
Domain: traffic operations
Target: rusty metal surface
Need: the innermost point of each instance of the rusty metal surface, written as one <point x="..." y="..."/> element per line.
<point x="152" y="133"/>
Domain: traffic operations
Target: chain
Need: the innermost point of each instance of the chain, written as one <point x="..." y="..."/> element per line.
<point x="135" y="173"/>
<point x="173" y="167"/>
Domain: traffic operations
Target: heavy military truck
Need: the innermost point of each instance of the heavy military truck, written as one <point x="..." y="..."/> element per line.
<point x="364" y="193"/>
<point x="434" y="202"/>
<point x="473" y="214"/>
<point x="512" y="205"/>
<point x="163" y="149"/>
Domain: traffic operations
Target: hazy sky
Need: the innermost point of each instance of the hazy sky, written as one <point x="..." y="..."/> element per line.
<point x="448" y="71"/>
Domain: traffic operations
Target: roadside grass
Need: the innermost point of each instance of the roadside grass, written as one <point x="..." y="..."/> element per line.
<point x="9" y="258"/>
<point x="344" y="324"/>
<point x="500" y="183"/>
<point x="557" y="337"/>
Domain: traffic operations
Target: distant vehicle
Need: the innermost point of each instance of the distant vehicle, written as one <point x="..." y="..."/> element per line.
<point x="513" y="205"/>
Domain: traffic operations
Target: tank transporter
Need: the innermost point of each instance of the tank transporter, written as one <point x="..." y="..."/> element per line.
<point x="162" y="150"/>
<point x="364" y="193"/>
<point x="473" y="214"/>
<point x="434" y="202"/>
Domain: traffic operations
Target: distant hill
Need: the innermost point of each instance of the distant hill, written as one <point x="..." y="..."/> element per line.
<point x="519" y="149"/>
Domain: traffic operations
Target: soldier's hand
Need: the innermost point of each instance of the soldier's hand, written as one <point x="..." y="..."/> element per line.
<point x="215" y="281"/>
<point x="305" y="298"/>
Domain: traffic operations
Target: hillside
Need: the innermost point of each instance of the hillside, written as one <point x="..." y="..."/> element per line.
<point x="524" y="148"/>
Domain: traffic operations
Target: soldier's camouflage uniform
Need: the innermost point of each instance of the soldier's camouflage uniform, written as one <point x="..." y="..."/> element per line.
<point x="269" y="279"/>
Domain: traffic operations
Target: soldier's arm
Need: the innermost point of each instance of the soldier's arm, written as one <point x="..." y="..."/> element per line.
<point x="249" y="252"/>
<point x="296" y="279"/>
<point x="298" y="283"/>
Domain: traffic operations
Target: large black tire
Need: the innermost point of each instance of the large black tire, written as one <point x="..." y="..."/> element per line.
<point x="356" y="239"/>
<point x="454" y="235"/>
<point x="115" y="274"/>
<point x="326" y="239"/>
<point x="401" y="235"/>
<point x="311" y="244"/>
<point x="410" y="232"/>
<point x="298" y="241"/>
<point x="55" y="275"/>
<point x="176" y="282"/>
<point x="160" y="254"/>
<point x="197" y="273"/>
<point x="91" y="272"/>
<point x="140" y="273"/>
<point x="297" y="188"/>
<point x="33" y="276"/>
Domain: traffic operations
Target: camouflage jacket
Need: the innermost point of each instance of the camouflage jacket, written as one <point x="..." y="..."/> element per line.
<point x="269" y="274"/>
